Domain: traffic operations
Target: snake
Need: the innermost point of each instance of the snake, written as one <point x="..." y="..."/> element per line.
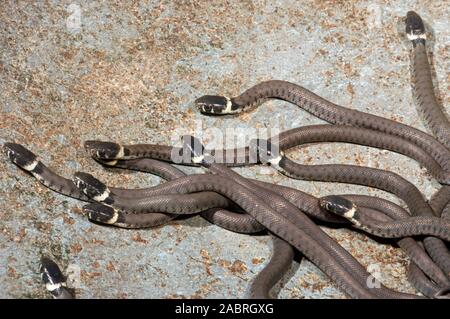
<point x="279" y="263"/>
<point x="433" y="115"/>
<point x="412" y="226"/>
<point x="424" y="285"/>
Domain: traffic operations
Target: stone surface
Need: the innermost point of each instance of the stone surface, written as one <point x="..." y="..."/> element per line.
<point x="72" y="71"/>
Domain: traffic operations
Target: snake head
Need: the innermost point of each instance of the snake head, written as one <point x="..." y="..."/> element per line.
<point x="52" y="276"/>
<point x="216" y="105"/>
<point x="104" y="150"/>
<point x="101" y="213"/>
<point x="265" y="151"/>
<point x="54" y="280"/>
<point x="20" y="156"/>
<point x="50" y="272"/>
<point x="93" y="188"/>
<point x="196" y="150"/>
<point x="414" y="26"/>
<point x="338" y="205"/>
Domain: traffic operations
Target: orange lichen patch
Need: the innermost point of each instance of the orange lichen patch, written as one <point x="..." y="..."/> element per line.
<point x="206" y="261"/>
<point x="358" y="159"/>
<point x="204" y="289"/>
<point x="137" y="238"/>
<point x="314" y="282"/>
<point x="21" y="235"/>
<point x="110" y="266"/>
<point x="348" y="70"/>
<point x="12" y="272"/>
<point x="350" y="89"/>
<point x="89" y="275"/>
<point x="257" y="261"/>
<point x="97" y="241"/>
<point x="77" y="210"/>
<point x="76" y="248"/>
<point x="223" y="263"/>
<point x="44" y="227"/>
<point x="96" y="265"/>
<point x="68" y="220"/>
<point x="238" y="267"/>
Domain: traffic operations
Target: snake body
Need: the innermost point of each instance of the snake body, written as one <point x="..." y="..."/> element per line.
<point x="279" y="263"/>
<point x="432" y="113"/>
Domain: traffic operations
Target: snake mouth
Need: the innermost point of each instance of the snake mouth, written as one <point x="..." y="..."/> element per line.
<point x="101" y="213"/>
<point x="104" y="150"/>
<point x="92" y="187"/>
<point x="414" y="25"/>
<point x="20" y="156"/>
